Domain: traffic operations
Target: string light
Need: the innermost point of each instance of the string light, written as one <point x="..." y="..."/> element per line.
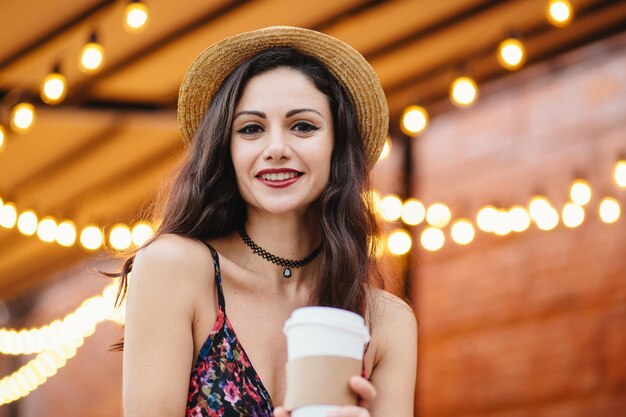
<point x="609" y="210"/>
<point x="486" y="218"/>
<point x="91" y="237"/>
<point x="519" y="218"/>
<point x="386" y="150"/>
<point x="559" y="12"/>
<point x="438" y="215"/>
<point x="463" y="91"/>
<point x="27" y="223"/>
<point x="413" y="212"/>
<point x="47" y="229"/>
<point x="511" y="54"/>
<point x="54" y="87"/>
<point x="547" y="219"/>
<point x="580" y="192"/>
<point x="66" y="233"/>
<point x="91" y="55"/>
<point x="573" y="215"/>
<point x="141" y="232"/>
<point x="619" y="173"/>
<point x="136" y="16"/>
<point x="502" y="223"/>
<point x="538" y="206"/>
<point x="432" y="239"/>
<point x="399" y="242"/>
<point x="120" y="237"/>
<point x="8" y="215"/>
<point x="462" y="232"/>
<point x="391" y="207"/>
<point x="414" y="120"/>
<point x="54" y="343"/>
<point x="22" y="117"/>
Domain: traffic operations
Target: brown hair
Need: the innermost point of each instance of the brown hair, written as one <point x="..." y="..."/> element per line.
<point x="203" y="201"/>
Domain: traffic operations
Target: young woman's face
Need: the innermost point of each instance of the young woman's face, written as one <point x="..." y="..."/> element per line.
<point x="281" y="141"/>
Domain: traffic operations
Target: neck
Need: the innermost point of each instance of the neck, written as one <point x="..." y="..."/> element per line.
<point x="290" y="236"/>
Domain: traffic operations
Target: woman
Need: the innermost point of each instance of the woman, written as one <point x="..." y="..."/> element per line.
<point x="268" y="213"/>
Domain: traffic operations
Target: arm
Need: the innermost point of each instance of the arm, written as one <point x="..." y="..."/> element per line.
<point x="394" y="374"/>
<point x="158" y="345"/>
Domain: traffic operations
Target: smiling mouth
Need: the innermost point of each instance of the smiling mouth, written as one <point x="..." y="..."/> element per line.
<point x="279" y="176"/>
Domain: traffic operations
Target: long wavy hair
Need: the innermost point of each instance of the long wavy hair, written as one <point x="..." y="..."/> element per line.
<point x="203" y="202"/>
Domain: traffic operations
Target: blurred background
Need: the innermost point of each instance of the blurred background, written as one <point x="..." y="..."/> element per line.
<point x="501" y="188"/>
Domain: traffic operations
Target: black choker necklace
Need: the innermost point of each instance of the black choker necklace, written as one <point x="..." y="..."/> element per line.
<point x="275" y="259"/>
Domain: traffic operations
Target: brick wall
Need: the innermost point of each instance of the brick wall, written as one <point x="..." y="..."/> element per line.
<point x="530" y="324"/>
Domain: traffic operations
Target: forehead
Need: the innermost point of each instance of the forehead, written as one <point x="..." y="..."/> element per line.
<point x="281" y="88"/>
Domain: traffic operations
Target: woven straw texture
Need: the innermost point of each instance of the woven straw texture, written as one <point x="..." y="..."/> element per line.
<point x="207" y="72"/>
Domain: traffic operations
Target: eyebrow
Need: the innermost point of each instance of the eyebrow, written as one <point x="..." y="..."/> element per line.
<point x="264" y="116"/>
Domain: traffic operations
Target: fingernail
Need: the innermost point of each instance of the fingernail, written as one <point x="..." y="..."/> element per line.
<point x="332" y="414"/>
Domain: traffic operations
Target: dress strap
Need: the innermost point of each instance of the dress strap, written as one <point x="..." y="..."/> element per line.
<point x="218" y="277"/>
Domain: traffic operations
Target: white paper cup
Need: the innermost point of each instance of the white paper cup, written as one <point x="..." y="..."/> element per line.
<point x="319" y="331"/>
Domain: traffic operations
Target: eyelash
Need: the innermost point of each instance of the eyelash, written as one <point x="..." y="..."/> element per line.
<point x="309" y="128"/>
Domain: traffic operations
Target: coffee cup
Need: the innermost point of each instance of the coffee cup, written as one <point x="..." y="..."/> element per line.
<point x="325" y="346"/>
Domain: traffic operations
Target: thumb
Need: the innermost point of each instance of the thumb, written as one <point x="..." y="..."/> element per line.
<point x="281" y="412"/>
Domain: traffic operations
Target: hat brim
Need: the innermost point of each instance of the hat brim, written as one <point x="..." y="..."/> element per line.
<point x="207" y="72"/>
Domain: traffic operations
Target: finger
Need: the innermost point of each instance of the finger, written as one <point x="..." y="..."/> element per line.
<point x="281" y="412"/>
<point x="349" y="411"/>
<point x="364" y="389"/>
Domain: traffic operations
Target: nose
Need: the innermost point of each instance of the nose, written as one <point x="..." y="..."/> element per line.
<point x="277" y="147"/>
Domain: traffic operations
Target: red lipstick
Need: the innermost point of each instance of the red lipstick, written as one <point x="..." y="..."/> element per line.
<point x="278" y="183"/>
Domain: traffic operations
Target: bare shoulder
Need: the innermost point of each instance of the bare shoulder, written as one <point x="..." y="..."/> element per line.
<point x="393" y="309"/>
<point x="172" y="266"/>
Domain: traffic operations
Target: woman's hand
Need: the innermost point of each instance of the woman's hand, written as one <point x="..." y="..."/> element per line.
<point x="362" y="387"/>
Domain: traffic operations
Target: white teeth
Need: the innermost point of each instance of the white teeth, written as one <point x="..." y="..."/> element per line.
<point x="281" y="176"/>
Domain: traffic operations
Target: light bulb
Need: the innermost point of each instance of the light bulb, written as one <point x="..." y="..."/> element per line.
<point x="47" y="229"/>
<point x="141" y="232"/>
<point x="619" y="173"/>
<point x="399" y="242"/>
<point x="22" y="117"/>
<point x="120" y="237"/>
<point x="463" y="91"/>
<point x="438" y="215"/>
<point x="414" y="120"/>
<point x="91" y="237"/>
<point x="511" y="54"/>
<point x="580" y="192"/>
<point x="391" y="207"/>
<point x="559" y="12"/>
<point x="432" y="239"/>
<point x="54" y="87"/>
<point x="462" y="232"/>
<point x="610" y="210"/>
<point x="66" y="233"/>
<point x="486" y="218"/>
<point x="573" y="215"/>
<point x="91" y="55"/>
<point x="136" y="16"/>
<point x="27" y="223"/>
<point x="8" y="215"/>
<point x="413" y="212"/>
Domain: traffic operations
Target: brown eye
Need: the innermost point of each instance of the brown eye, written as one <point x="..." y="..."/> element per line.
<point x="305" y="127"/>
<point x="250" y="129"/>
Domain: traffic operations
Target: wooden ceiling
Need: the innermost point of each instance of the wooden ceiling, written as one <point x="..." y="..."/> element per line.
<point x="104" y="151"/>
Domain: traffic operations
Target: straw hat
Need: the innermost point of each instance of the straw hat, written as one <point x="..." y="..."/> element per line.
<point x="207" y="72"/>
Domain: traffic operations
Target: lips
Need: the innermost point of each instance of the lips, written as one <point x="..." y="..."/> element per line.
<point x="278" y="177"/>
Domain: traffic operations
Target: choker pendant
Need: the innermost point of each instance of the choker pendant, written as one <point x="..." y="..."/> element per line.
<point x="287" y="263"/>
